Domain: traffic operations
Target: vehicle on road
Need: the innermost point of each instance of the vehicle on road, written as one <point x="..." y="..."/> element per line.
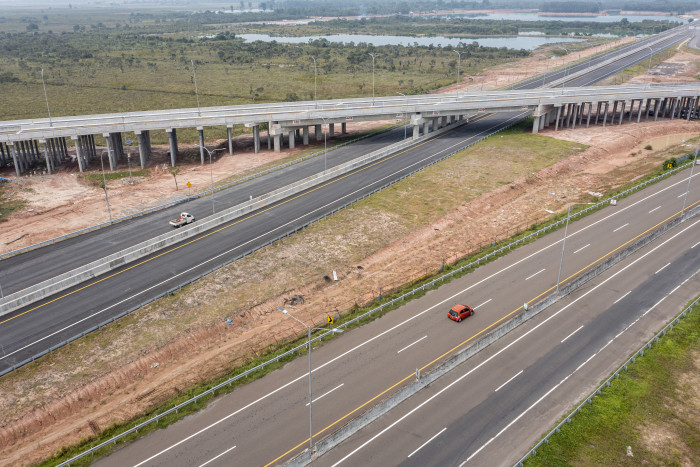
<point x="460" y="312"/>
<point x="184" y="219"/>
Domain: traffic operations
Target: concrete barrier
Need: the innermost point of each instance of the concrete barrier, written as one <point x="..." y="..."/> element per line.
<point x="96" y="268"/>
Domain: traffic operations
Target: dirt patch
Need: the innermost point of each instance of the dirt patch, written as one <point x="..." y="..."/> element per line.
<point x="140" y="361"/>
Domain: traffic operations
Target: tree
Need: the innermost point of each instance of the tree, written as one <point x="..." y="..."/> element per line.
<point x="32" y="27"/>
<point x="174" y="171"/>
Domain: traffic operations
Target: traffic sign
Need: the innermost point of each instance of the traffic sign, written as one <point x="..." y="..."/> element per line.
<point x="189" y="185"/>
<point x="330" y="319"/>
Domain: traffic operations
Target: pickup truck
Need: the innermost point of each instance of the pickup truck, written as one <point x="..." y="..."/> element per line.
<point x="184" y="219"/>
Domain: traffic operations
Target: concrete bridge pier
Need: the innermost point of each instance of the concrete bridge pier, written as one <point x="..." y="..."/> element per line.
<point x="145" y="147"/>
<point x="343" y="128"/>
<point x="269" y="137"/>
<point x="556" y="119"/>
<point x="172" y="141"/>
<point x="673" y="107"/>
<point x="3" y="157"/>
<point x="78" y="152"/>
<point x="317" y="130"/>
<point x="331" y="130"/>
<point x="47" y="158"/>
<point x="305" y="135"/>
<point x="622" y="112"/>
<point x="15" y="159"/>
<point x="292" y="138"/>
<point x="57" y="151"/>
<point x="110" y="151"/>
<point x="229" y="137"/>
<point x="256" y="139"/>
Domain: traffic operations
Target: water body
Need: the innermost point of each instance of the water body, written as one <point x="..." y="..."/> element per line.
<point x="593" y="19"/>
<point x="520" y="42"/>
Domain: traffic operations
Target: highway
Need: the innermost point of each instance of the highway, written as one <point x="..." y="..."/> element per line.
<point x="267" y="420"/>
<point x="25" y="333"/>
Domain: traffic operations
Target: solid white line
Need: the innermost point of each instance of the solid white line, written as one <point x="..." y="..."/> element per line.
<point x="622" y="226"/>
<point x="580" y="327"/>
<point x="530" y="277"/>
<point x="515" y="376"/>
<point x="582" y="248"/>
<point x="214" y="458"/>
<point x="324" y="395"/>
<point x="412" y="344"/>
<point x="545" y="321"/>
<point x="682" y="194"/>
<point x="695" y="245"/>
<point x="479" y="306"/>
<point x="657" y="207"/>
<point x="423" y="445"/>
<point x="622" y="297"/>
<point x="662" y="268"/>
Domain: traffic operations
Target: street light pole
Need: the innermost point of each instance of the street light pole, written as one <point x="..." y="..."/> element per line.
<point x="459" y="62"/>
<point x="104" y="185"/>
<point x="405" y="117"/>
<point x="651" y="54"/>
<point x="695" y="161"/>
<point x="46" y="96"/>
<point x="566" y="66"/>
<point x="563" y="246"/>
<point x="309" y="329"/>
<point x="211" y="175"/>
<point x="372" y="55"/>
<point x="196" y="91"/>
<point x="315" y="101"/>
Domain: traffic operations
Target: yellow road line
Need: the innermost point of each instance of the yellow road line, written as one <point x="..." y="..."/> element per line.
<point x="412" y="375"/>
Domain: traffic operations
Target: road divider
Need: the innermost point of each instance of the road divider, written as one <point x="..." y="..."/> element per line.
<point x="96" y="268"/>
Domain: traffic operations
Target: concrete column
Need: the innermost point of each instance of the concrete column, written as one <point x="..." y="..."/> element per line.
<point x="343" y="129"/>
<point x="673" y="107"/>
<point x="536" y="124"/>
<point x="47" y="157"/>
<point x="110" y="151"/>
<point x="15" y="159"/>
<point x="292" y="143"/>
<point x="229" y="136"/>
<point x="143" y="154"/>
<point x="646" y="109"/>
<point x="575" y="116"/>
<point x="688" y="107"/>
<point x="54" y="152"/>
<point x="277" y="140"/>
<point x="297" y="134"/>
<point x="331" y="130"/>
<point x="680" y="105"/>
<point x="588" y="117"/>
<point x="317" y="129"/>
<point x="426" y="127"/>
<point x="416" y="131"/>
<point x="613" y="113"/>
<point x="305" y="135"/>
<point x="269" y="138"/>
<point x="605" y="113"/>
<point x="2" y="154"/>
<point x="78" y="152"/>
<point x="622" y="112"/>
<point x="36" y="151"/>
<point x="172" y="140"/>
<point x="656" y="109"/>
<point x="200" y="130"/>
<point x="256" y="138"/>
<point x="556" y="120"/>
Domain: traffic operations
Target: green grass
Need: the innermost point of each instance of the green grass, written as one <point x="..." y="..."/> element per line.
<point x="650" y="398"/>
<point x="9" y="203"/>
<point x="95" y="178"/>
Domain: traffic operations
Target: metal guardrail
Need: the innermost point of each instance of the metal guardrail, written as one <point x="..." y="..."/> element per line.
<point x="191" y="197"/>
<point x="606" y="383"/>
<point x="379" y="308"/>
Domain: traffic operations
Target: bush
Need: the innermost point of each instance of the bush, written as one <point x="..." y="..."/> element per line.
<point x="670" y="163"/>
<point x="648" y="147"/>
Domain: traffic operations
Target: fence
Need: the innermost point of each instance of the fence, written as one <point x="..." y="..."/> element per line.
<point x="606" y="383"/>
<point x="419" y="289"/>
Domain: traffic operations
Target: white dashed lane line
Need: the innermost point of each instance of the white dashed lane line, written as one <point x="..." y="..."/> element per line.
<point x="511" y="379"/>
<point x="586" y="246"/>
<point x="622" y="297"/>
<point x="657" y="207"/>
<point x="662" y="268"/>
<point x="580" y="327"/>
<point x="412" y="344"/>
<point x="530" y="277"/>
<point x="621" y="227"/>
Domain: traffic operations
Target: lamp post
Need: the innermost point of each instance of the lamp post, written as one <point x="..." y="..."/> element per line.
<point x="695" y="161"/>
<point x="211" y="175"/>
<point x="404" y="114"/>
<point x="372" y="55"/>
<point x="566" y="67"/>
<point x="309" y="329"/>
<point x="459" y="62"/>
<point x="196" y="91"/>
<point x="46" y="96"/>
<point x="651" y="54"/>
<point x="563" y="246"/>
<point x="315" y="101"/>
<point x="104" y="185"/>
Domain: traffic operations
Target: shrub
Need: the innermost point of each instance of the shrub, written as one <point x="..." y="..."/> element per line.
<point x="670" y="163"/>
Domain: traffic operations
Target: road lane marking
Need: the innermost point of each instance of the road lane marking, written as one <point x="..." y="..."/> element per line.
<point x="323" y="395"/>
<point x="586" y="246"/>
<point x="657" y="207"/>
<point x="621" y="227"/>
<point x="479" y="306"/>
<point x="530" y="277"/>
<point x="412" y="344"/>
<point x="662" y="268"/>
<point x="682" y="194"/>
<point x="577" y="330"/>
<point x="214" y="458"/>
<point x="515" y="376"/>
<point x="423" y="445"/>
<point x="546" y="320"/>
<point x="695" y="245"/>
<point x="622" y="297"/>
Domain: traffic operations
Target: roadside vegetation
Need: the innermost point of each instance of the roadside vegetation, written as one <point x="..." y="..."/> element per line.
<point x="9" y="202"/>
<point x="647" y="416"/>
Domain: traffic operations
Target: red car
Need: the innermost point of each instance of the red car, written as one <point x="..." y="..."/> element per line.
<point x="460" y="312"/>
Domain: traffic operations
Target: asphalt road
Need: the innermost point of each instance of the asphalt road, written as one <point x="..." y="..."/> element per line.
<point x="26" y="332"/>
<point x="267" y="420"/>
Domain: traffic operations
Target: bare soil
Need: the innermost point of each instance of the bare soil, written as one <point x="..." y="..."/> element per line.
<point x="119" y="372"/>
